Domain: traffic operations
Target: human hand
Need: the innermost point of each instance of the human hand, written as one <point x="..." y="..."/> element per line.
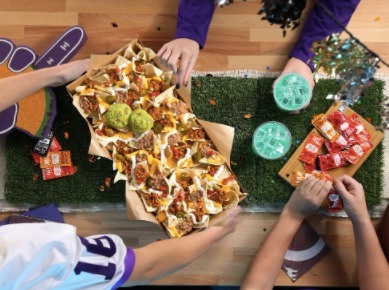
<point x="69" y="71"/>
<point x="353" y="197"/>
<point x="227" y="221"/>
<point x="184" y="49"/>
<point x="307" y="198"/>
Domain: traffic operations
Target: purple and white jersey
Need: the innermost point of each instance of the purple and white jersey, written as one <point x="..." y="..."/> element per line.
<point x="52" y="256"/>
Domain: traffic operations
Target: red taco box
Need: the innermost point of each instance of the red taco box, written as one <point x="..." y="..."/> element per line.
<point x="220" y="135"/>
<point x="294" y="164"/>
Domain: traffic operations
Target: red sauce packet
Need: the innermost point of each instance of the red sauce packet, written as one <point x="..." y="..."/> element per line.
<point x="310" y="168"/>
<point x="337" y="145"/>
<point x="353" y="154"/>
<point x="334" y="201"/>
<point x="311" y="148"/>
<point x="55" y="146"/>
<point x="57" y="172"/>
<point x="359" y="127"/>
<point x="331" y="161"/>
<point x="60" y="158"/>
<point x="363" y="141"/>
<point x="342" y="123"/>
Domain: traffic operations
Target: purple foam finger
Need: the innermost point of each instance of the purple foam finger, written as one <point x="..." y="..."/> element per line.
<point x="21" y="58"/>
<point x="8" y="119"/>
<point x="6" y="48"/>
<point x="63" y="49"/>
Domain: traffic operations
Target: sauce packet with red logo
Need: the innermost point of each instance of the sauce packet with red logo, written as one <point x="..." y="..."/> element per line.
<point x="311" y="148"/>
<point x="331" y="161"/>
<point x="359" y="127"/>
<point x="337" y="145"/>
<point x="353" y="154"/>
<point x="325" y="127"/>
<point x="334" y="201"/>
<point x="57" y="172"/>
<point x="363" y="141"/>
<point x="342" y="123"/>
<point x="55" y="146"/>
<point x="60" y="158"/>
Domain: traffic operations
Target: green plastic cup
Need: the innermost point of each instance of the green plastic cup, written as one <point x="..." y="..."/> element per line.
<point x="291" y="92"/>
<point x="271" y="140"/>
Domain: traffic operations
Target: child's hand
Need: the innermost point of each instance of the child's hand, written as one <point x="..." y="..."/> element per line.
<point x="69" y="72"/>
<point x="353" y="197"/>
<point x="307" y="198"/>
<point x="227" y="221"/>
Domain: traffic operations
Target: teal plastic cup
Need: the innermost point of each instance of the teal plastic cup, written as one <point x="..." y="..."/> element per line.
<point x="271" y="140"/>
<point x="291" y="92"/>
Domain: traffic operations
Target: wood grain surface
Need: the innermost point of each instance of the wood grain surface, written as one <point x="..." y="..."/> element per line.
<point x="237" y="39"/>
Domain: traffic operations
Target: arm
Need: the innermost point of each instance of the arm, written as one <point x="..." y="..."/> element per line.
<point x="193" y="21"/>
<point x="372" y="267"/>
<point x="319" y="26"/>
<point x="164" y="257"/>
<point x="22" y="85"/>
<point x="306" y="199"/>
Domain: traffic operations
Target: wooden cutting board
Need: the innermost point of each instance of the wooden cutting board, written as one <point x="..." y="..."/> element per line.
<point x="294" y="164"/>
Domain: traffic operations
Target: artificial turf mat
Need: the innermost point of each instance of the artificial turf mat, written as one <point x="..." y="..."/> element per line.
<point x="234" y="97"/>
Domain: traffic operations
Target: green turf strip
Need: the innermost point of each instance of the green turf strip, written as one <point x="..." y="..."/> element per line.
<point x="234" y="98"/>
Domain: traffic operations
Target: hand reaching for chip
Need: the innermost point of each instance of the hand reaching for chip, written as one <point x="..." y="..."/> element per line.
<point x="35" y="113"/>
<point x="226" y="221"/>
<point x="183" y="49"/>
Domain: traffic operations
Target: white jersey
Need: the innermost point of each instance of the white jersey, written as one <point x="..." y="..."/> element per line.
<point x="51" y="256"/>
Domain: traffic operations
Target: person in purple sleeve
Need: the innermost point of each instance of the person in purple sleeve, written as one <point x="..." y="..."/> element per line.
<point x="194" y="18"/>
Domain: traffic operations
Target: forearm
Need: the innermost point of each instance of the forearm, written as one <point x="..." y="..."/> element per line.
<point x="267" y="262"/>
<point x="163" y="257"/>
<point x="194" y="19"/>
<point x="15" y="88"/>
<point x="373" y="269"/>
<point x="319" y="25"/>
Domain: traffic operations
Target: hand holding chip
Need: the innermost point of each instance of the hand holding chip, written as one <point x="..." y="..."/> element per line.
<point x="183" y="49"/>
<point x="226" y="221"/>
<point x="353" y="197"/>
<point x="307" y="198"/>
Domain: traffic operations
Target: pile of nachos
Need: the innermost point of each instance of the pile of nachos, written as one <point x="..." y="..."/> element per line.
<point x="156" y="144"/>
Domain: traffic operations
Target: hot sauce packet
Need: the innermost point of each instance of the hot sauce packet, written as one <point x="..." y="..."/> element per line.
<point x="57" y="172"/>
<point x="338" y="145"/>
<point x="359" y="127"/>
<point x="334" y="201"/>
<point x="300" y="176"/>
<point x="325" y="127"/>
<point x="311" y="148"/>
<point x="60" y="158"/>
<point x="55" y="146"/>
<point x="363" y="142"/>
<point x="342" y="123"/>
<point x="353" y="154"/>
<point x="331" y="161"/>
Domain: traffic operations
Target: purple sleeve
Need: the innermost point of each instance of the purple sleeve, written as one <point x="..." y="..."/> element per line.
<point x="319" y="26"/>
<point x="194" y="18"/>
<point x="129" y="263"/>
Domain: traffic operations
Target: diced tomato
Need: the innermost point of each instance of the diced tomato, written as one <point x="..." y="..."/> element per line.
<point x="154" y="94"/>
<point x="117" y="69"/>
<point x="106" y="84"/>
<point x="227" y="179"/>
<point x="161" y="188"/>
<point x="99" y="132"/>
